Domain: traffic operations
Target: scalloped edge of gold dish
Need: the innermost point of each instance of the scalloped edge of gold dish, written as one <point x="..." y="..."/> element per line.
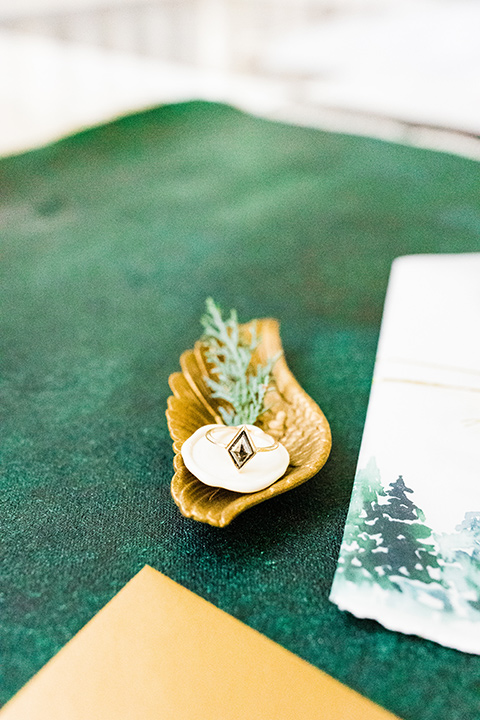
<point x="292" y="417"/>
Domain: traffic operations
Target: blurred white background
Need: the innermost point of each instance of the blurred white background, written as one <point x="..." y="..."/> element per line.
<point x="406" y="70"/>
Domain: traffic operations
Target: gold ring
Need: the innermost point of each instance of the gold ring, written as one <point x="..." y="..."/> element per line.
<point x="241" y="448"/>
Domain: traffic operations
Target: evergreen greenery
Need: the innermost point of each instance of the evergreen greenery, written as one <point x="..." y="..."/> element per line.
<point x="236" y="382"/>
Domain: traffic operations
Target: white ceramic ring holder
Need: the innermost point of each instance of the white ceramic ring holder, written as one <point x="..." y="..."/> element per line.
<point x="211" y="463"/>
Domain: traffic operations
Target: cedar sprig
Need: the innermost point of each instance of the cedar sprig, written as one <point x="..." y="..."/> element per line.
<point x="235" y="380"/>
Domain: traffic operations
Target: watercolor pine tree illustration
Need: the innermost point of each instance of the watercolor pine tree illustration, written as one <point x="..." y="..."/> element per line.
<point x="469" y="530"/>
<point x="471" y="527"/>
<point x="403" y="547"/>
<point x="358" y="542"/>
<point x="461" y="560"/>
<point x="390" y="539"/>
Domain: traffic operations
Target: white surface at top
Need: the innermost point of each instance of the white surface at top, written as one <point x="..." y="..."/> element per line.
<point x="417" y="61"/>
<point x="375" y="67"/>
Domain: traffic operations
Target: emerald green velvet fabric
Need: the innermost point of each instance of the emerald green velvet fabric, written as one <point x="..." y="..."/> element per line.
<point x="110" y="242"/>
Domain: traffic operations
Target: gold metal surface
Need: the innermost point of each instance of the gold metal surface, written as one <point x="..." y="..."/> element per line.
<point x="292" y="417"/>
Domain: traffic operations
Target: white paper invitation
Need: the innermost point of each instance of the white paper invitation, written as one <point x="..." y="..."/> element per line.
<point x="410" y="556"/>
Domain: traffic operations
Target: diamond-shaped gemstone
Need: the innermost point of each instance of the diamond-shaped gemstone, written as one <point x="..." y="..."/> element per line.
<point x="240" y="449"/>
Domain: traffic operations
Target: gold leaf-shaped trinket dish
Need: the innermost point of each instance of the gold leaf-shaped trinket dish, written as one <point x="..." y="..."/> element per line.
<point x="291" y="417"/>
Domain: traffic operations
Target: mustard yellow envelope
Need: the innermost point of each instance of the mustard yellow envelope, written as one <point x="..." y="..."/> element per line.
<point x="159" y="652"/>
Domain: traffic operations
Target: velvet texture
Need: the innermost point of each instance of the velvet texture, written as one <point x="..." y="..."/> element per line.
<point x="111" y="240"/>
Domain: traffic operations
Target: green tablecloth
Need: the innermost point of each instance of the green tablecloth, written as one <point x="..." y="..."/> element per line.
<point x="111" y="240"/>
